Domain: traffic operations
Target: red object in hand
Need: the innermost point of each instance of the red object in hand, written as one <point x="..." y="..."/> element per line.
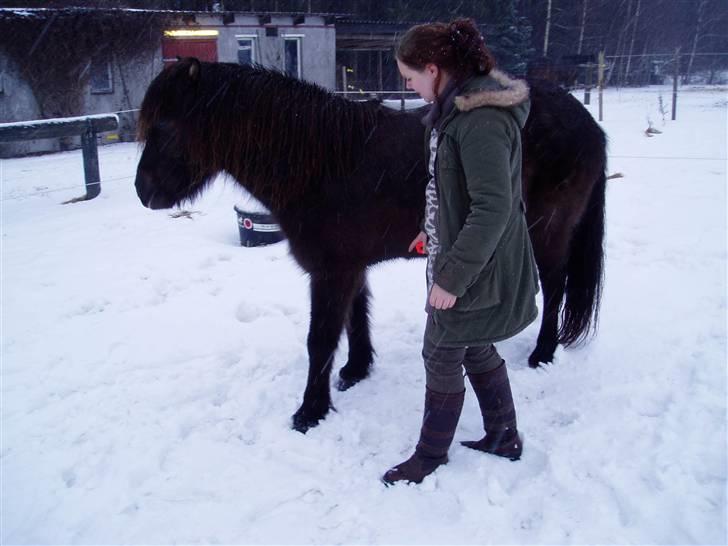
<point x="420" y="247"/>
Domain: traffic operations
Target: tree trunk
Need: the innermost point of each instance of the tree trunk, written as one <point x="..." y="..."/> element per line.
<point x="548" y="29"/>
<point x="621" y="45"/>
<point x="696" y="39"/>
<point x="583" y="24"/>
<point x="635" y="22"/>
<point x="644" y="65"/>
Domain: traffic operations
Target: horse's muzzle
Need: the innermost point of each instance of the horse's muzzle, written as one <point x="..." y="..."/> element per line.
<point x="148" y="194"/>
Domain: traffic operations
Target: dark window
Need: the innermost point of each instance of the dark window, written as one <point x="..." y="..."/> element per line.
<point x="293" y="57"/>
<point x="101" y="77"/>
<point x="246" y="50"/>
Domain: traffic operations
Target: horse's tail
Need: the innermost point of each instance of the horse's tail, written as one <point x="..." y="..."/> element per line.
<point x="585" y="270"/>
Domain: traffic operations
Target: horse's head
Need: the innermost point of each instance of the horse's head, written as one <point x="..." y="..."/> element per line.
<point x="169" y="171"/>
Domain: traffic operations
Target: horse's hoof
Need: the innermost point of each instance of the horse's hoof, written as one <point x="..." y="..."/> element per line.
<point x="301" y="423"/>
<point x="541" y="356"/>
<point x="537" y="362"/>
<point x="305" y="419"/>
<point x="346" y="381"/>
<point x="344" y="384"/>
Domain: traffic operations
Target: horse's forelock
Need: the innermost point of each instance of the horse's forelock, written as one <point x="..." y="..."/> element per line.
<point x="166" y="90"/>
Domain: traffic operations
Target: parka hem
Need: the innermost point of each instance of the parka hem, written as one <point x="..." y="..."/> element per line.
<point x="487" y="341"/>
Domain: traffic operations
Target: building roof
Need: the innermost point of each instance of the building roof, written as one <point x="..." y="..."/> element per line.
<point x="30" y="12"/>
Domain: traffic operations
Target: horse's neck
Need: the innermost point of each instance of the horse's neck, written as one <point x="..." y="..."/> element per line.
<point x="296" y="151"/>
<point x="262" y="193"/>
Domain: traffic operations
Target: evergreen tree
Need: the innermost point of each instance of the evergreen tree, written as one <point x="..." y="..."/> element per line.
<point x="507" y="34"/>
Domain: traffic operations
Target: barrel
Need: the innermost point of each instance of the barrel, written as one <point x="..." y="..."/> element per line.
<point x="257" y="228"/>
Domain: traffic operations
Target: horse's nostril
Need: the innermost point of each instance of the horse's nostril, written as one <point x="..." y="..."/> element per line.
<point x="150" y="201"/>
<point x="149" y="192"/>
<point x="144" y="187"/>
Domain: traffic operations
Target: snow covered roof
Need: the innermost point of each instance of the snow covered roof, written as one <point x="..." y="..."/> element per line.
<point x="58" y="121"/>
<point x="30" y="12"/>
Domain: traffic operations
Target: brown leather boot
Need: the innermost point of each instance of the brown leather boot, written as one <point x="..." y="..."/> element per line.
<point x="442" y="412"/>
<point x="499" y="414"/>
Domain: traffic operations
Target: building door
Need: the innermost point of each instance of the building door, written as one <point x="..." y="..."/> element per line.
<point x="204" y="49"/>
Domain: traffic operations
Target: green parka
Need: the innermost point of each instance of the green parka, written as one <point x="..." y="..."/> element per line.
<point x="485" y="256"/>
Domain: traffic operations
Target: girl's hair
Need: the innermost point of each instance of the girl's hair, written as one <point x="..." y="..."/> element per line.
<point x="457" y="47"/>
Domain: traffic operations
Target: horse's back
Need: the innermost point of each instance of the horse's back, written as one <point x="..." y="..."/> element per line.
<point x="560" y="135"/>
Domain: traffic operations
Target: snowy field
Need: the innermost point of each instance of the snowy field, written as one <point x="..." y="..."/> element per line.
<point x="150" y="367"/>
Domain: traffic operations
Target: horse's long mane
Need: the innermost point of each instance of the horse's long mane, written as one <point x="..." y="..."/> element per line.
<point x="264" y="128"/>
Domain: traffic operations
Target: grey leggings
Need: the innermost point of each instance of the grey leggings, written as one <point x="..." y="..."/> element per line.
<point x="444" y="365"/>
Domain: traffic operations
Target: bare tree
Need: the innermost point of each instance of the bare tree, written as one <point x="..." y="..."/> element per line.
<point x="634" y="22"/>
<point x="548" y="29"/>
<point x="583" y="24"/>
<point x="696" y="37"/>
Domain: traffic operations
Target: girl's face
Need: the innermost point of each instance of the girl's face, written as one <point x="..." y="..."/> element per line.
<point x="420" y="81"/>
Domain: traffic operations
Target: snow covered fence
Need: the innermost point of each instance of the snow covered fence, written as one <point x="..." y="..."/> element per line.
<point x="402" y="100"/>
<point x="87" y="126"/>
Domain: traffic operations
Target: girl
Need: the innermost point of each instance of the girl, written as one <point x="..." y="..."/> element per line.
<point x="481" y="273"/>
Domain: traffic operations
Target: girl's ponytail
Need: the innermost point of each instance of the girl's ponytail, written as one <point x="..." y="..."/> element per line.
<point x="470" y="46"/>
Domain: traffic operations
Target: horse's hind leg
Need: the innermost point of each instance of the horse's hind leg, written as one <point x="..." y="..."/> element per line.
<point x="552" y="283"/>
<point x="550" y="247"/>
<point x="331" y="296"/>
<point x="360" y="344"/>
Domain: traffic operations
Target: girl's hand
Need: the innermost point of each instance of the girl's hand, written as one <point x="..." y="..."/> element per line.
<point x="441" y="298"/>
<point x="421" y="238"/>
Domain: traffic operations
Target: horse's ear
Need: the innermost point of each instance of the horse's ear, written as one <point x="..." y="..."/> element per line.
<point x="194" y="70"/>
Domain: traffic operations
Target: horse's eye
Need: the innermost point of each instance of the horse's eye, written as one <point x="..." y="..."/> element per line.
<point x="165" y="126"/>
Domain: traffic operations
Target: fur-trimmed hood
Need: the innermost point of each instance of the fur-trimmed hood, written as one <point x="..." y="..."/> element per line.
<point x="496" y="89"/>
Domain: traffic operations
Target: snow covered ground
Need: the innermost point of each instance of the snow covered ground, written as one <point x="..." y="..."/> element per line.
<point x="150" y="367"/>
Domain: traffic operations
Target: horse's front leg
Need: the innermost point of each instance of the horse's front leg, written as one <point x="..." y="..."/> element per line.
<point x="331" y="296"/>
<point x="361" y="352"/>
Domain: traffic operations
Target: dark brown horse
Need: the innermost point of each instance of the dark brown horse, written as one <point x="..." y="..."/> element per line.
<point x="346" y="181"/>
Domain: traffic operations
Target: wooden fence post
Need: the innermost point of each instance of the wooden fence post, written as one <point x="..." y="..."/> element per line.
<point x="403" y="88"/>
<point x="90" y="161"/>
<point x="600" y="84"/>
<point x="588" y="84"/>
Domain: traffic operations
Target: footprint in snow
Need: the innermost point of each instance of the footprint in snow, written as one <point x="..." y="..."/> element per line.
<point x="89" y="308"/>
<point x="563" y="419"/>
<point x="69" y="477"/>
<point x="212" y="261"/>
<point x="514" y="477"/>
<point x="248" y="313"/>
<point x="220" y="397"/>
<point x="287" y="310"/>
<point x="133" y="508"/>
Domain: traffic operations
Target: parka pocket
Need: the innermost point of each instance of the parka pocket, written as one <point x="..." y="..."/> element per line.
<point x="484" y="292"/>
